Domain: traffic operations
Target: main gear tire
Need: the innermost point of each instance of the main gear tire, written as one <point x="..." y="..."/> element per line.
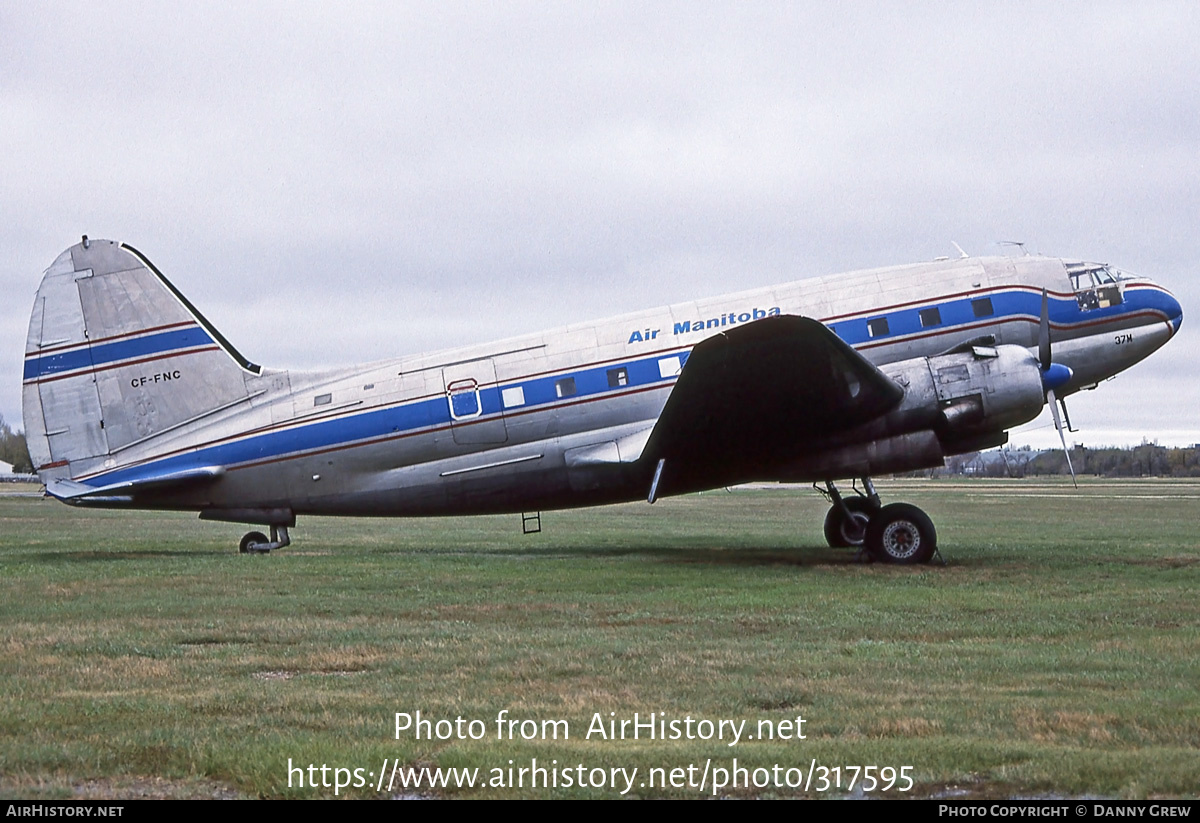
<point x="901" y="533"/>
<point x="843" y="533"/>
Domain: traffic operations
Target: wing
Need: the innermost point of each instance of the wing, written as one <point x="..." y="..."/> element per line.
<point x="753" y="398"/>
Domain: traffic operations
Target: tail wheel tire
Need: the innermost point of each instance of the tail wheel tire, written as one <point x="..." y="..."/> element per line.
<point x="843" y="533"/>
<point x="901" y="533"/>
<point x="250" y="540"/>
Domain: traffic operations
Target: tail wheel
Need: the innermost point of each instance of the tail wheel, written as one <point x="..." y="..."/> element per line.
<point x="846" y="533"/>
<point x="901" y="533"/>
<point x="250" y="540"/>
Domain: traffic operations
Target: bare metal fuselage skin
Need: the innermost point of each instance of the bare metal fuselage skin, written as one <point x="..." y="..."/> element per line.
<point x="550" y="420"/>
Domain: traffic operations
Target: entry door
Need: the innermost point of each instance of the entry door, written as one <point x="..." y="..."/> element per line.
<point x="473" y="401"/>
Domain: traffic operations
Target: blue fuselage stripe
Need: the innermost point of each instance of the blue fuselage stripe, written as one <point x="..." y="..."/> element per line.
<point x="396" y="421"/>
<point x="1005" y="305"/>
<point x="593" y="381"/>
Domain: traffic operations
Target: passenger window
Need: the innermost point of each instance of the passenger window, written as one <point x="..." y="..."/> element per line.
<point x="564" y="387"/>
<point x="982" y="307"/>
<point x="930" y="317"/>
<point x="877" y="327"/>
<point x="513" y="396"/>
<point x="618" y="377"/>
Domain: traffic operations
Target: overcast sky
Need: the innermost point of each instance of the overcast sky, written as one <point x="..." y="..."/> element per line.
<point x="331" y="186"/>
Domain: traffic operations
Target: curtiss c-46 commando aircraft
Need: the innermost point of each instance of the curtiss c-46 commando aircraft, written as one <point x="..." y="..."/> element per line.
<point x="132" y="399"/>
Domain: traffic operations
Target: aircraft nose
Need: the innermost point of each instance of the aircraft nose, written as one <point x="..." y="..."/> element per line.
<point x="1174" y="311"/>
<point x="1163" y="303"/>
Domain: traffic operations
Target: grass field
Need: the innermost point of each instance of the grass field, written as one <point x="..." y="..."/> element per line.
<point x="1055" y="654"/>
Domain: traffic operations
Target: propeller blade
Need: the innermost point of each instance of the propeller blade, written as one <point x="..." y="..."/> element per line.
<point x="1044" y="333"/>
<point x="1053" y="401"/>
<point x="1053" y="375"/>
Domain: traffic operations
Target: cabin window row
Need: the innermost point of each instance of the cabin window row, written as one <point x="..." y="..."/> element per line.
<point x="465" y="401"/>
<point x="929" y="318"/>
<point x="565" y="387"/>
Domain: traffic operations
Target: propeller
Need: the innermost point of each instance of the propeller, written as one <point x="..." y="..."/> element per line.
<point x="1053" y="376"/>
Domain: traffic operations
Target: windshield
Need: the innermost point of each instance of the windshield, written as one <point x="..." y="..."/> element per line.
<point x="1097" y="285"/>
<point x="1090" y="275"/>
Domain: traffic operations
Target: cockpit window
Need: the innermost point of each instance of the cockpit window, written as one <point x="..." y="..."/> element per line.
<point x="1097" y="285"/>
<point x="1086" y="275"/>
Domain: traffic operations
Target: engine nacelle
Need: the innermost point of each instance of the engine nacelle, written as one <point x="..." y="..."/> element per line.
<point x="980" y="392"/>
<point x="953" y="403"/>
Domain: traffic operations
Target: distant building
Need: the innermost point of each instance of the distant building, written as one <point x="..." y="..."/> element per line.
<point x="7" y="475"/>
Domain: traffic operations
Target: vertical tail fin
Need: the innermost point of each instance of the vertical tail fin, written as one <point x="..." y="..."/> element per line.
<point x="116" y="355"/>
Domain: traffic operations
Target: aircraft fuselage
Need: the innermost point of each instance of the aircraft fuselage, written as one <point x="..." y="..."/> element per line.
<point x="559" y="418"/>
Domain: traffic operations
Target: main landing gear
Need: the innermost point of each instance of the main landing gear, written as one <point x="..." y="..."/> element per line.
<point x="895" y="533"/>
<point x="257" y="542"/>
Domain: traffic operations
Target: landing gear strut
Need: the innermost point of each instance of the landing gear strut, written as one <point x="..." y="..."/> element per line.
<point x="846" y="522"/>
<point x="895" y="533"/>
<point x="257" y="542"/>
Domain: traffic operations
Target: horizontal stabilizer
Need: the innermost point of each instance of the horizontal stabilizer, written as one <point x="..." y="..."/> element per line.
<point x="71" y="490"/>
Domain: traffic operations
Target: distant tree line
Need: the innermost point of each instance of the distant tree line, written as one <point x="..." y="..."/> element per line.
<point x="1144" y="460"/>
<point x="13" y="449"/>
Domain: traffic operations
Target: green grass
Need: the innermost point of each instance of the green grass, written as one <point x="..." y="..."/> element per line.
<point x="1056" y="653"/>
